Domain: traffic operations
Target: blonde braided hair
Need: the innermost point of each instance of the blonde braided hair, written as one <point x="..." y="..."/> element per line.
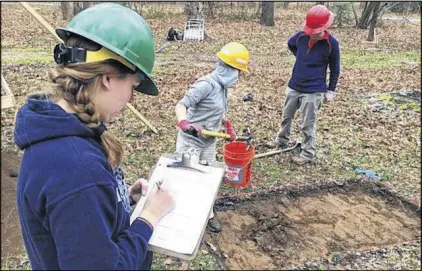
<point x="75" y="82"/>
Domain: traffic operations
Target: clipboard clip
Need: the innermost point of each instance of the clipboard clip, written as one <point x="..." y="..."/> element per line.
<point x="190" y="160"/>
<point x="180" y="164"/>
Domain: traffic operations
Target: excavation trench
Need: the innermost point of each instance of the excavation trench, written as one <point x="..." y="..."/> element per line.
<point x="286" y="227"/>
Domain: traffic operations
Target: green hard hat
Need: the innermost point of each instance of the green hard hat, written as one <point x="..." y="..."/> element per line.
<point x="120" y="30"/>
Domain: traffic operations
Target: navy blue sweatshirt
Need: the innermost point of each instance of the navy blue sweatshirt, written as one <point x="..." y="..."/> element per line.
<point x="73" y="211"/>
<point x="310" y="69"/>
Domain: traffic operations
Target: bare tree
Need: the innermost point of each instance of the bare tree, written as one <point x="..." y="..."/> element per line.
<point x="77" y="7"/>
<point x="259" y="10"/>
<point x="136" y="6"/>
<point x="67" y="10"/>
<point x="366" y="15"/>
<point x="267" y="15"/>
<point x="404" y="7"/>
<point x="371" y="34"/>
<point x="355" y="14"/>
<point x="371" y="9"/>
<point x="210" y="9"/>
<point x="194" y="10"/>
<point x="86" y="4"/>
<point x="324" y="3"/>
<point x="70" y="9"/>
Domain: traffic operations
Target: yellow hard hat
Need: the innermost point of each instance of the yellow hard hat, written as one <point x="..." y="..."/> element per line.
<point x="236" y="55"/>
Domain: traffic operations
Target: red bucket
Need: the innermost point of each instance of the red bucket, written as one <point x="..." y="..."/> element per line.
<point x="238" y="160"/>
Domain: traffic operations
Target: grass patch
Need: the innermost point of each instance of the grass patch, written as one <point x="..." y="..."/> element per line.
<point x="29" y="50"/>
<point x="399" y="102"/>
<point x="270" y="170"/>
<point x="26" y="57"/>
<point x="203" y="261"/>
<point x="274" y="173"/>
<point x="8" y="264"/>
<point x="20" y="262"/>
<point x="377" y="60"/>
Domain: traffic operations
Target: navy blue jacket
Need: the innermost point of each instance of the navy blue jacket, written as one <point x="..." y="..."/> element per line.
<point x="310" y="70"/>
<point x="73" y="211"/>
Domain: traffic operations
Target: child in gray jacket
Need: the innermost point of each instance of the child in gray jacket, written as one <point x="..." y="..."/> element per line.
<point x="205" y="106"/>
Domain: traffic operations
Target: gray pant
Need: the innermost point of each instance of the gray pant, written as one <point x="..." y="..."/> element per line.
<point x="208" y="153"/>
<point x="309" y="103"/>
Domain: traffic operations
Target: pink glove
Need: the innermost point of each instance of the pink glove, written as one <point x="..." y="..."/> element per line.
<point x="230" y="130"/>
<point x="190" y="128"/>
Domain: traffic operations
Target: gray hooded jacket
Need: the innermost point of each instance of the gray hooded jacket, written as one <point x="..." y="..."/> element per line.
<point x="207" y="101"/>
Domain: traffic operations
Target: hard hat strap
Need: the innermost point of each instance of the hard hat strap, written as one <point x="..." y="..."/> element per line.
<point x="65" y="55"/>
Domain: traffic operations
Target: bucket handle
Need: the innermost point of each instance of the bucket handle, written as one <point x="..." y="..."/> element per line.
<point x="250" y="160"/>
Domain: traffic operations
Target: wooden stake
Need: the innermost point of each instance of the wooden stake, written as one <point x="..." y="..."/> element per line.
<point x="7" y="101"/>
<point x="53" y="32"/>
<point x="141" y="117"/>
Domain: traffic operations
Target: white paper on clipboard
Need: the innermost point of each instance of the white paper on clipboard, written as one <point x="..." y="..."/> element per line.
<point x="194" y="193"/>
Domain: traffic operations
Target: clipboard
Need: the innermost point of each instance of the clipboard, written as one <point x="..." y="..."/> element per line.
<point x="180" y="232"/>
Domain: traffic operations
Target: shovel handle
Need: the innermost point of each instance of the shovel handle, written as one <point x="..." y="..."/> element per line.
<point x="215" y="134"/>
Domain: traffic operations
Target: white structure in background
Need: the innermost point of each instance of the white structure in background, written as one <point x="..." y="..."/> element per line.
<point x="194" y="30"/>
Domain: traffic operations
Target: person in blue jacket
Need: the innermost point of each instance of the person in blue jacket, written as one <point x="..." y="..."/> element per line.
<point x="73" y="202"/>
<point x="315" y="49"/>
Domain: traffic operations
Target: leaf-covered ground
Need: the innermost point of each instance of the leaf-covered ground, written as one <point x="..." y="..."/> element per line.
<point x="350" y="133"/>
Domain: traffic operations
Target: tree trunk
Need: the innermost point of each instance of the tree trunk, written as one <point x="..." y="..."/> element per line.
<point x="77" y="7"/>
<point x="67" y="10"/>
<point x="366" y="15"/>
<point x="210" y="10"/>
<point x="194" y="10"/>
<point x="86" y="4"/>
<point x="370" y="13"/>
<point x="259" y="11"/>
<point x="324" y="3"/>
<point x="371" y="35"/>
<point x="136" y="6"/>
<point x="267" y="15"/>
<point x="355" y="14"/>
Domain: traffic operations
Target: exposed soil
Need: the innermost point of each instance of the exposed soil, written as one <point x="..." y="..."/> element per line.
<point x="11" y="244"/>
<point x="282" y="230"/>
<point x="349" y="133"/>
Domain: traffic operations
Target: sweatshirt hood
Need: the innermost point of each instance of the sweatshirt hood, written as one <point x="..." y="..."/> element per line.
<point x="225" y="75"/>
<point x="40" y="119"/>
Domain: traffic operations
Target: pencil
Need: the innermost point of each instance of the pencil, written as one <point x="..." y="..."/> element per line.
<point x="158" y="183"/>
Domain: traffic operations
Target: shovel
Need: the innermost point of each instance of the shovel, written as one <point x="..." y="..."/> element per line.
<point x="296" y="145"/>
<point x="247" y="138"/>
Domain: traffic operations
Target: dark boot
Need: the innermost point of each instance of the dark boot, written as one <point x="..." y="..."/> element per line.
<point x="214" y="225"/>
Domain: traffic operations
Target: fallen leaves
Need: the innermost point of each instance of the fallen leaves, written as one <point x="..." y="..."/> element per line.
<point x="348" y="132"/>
